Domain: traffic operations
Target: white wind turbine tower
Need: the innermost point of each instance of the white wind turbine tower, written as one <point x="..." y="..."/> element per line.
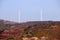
<point x="19" y="16"/>
<point x="41" y="18"/>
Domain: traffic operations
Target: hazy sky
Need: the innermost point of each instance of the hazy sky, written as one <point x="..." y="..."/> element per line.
<point x="29" y="10"/>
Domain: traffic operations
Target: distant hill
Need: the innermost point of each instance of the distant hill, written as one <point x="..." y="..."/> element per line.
<point x="41" y="24"/>
<point x="35" y="28"/>
<point x="6" y="24"/>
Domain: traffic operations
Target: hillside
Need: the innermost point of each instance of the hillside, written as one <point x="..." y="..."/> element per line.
<point x="8" y="29"/>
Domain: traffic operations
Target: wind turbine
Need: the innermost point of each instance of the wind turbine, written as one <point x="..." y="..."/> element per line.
<point x="41" y="15"/>
<point x="19" y="16"/>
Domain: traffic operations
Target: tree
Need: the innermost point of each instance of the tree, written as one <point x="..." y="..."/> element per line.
<point x="1" y="31"/>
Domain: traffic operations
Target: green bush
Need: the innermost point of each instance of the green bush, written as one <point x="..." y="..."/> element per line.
<point x="10" y="38"/>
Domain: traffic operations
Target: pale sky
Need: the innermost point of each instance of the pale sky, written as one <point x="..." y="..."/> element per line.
<point x="30" y="10"/>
